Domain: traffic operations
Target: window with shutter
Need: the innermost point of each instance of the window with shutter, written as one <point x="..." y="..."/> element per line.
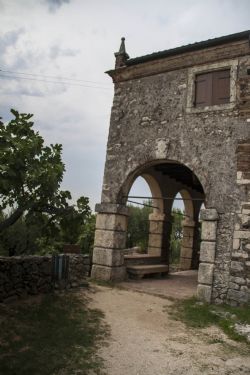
<point x="212" y="88"/>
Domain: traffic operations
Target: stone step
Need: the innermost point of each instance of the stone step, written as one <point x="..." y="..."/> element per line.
<point x="139" y="271"/>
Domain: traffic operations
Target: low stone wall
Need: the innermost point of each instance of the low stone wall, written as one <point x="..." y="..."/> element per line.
<point x="27" y="275"/>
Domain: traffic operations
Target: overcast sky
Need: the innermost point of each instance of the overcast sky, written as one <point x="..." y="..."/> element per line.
<point x="73" y="41"/>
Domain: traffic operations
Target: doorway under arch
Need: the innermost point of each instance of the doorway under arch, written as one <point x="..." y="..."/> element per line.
<point x="165" y="181"/>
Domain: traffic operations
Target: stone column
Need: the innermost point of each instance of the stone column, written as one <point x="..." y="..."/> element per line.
<point x="110" y="240"/>
<point x="209" y="220"/>
<point x="187" y="244"/>
<point x="156" y="226"/>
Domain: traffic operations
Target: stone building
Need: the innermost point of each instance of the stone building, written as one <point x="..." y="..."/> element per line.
<point x="181" y="120"/>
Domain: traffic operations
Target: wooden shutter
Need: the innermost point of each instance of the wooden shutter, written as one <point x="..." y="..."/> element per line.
<point x="203" y="90"/>
<point x="221" y="87"/>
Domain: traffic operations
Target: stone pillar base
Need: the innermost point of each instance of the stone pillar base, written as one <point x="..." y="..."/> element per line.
<point x="209" y="219"/>
<point x="110" y="240"/>
<point x="105" y="273"/>
<point x="204" y="293"/>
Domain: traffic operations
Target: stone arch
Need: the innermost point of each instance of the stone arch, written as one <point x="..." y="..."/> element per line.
<point x="165" y="178"/>
<point x="188" y="204"/>
<point x="138" y="169"/>
<point x="156" y="193"/>
<point x="156" y="218"/>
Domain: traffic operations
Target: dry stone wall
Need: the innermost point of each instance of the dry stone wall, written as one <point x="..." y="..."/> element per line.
<point x="30" y="275"/>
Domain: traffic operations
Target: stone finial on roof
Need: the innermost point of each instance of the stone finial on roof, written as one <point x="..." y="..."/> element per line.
<point x="121" y="56"/>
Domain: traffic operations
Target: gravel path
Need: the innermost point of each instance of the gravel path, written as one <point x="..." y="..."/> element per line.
<point x="145" y="341"/>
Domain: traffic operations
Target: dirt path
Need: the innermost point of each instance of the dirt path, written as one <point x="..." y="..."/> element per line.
<point x="145" y="341"/>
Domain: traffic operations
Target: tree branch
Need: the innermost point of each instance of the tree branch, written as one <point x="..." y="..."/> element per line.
<point x="12" y="218"/>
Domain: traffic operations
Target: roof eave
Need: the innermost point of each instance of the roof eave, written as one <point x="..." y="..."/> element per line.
<point x="190" y="47"/>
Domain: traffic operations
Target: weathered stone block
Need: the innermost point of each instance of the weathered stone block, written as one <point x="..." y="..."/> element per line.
<point x="208" y="230"/>
<point x="111" y="208"/>
<point x="156" y="227"/>
<point x="237" y="266"/>
<point x="210" y="214"/>
<point x="207" y="252"/>
<point x="186" y="252"/>
<point x="239" y="254"/>
<point x="204" y="293"/>
<point x="242" y="234"/>
<point x="108" y="257"/>
<point x="105" y="273"/>
<point x="205" y="273"/>
<point x="154" y="251"/>
<point x="239" y="280"/>
<point x="238" y="296"/>
<point x="111" y="222"/>
<point x="187" y="241"/>
<point x="236" y="244"/>
<point x="110" y="239"/>
<point x="154" y="240"/>
<point x="233" y="286"/>
<point x="156" y="217"/>
<point x="185" y="264"/>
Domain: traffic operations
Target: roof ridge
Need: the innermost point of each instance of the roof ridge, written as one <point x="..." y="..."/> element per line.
<point x="190" y="47"/>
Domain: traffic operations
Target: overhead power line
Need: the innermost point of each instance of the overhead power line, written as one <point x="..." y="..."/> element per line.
<point x="57" y="78"/>
<point x="55" y="82"/>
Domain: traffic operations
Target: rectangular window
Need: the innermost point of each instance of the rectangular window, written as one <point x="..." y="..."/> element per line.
<point x="212" y="88"/>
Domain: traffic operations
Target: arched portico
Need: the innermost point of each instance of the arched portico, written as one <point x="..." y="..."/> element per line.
<point x="165" y="179"/>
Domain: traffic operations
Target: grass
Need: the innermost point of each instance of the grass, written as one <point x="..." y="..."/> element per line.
<point x="200" y="315"/>
<point x="57" y="334"/>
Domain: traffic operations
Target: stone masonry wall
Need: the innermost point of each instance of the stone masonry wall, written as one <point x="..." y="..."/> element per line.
<point x="30" y="275"/>
<point x="239" y="285"/>
<point x="151" y="122"/>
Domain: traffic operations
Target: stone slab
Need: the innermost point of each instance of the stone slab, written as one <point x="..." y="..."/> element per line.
<point x="208" y="230"/>
<point x="154" y="239"/>
<point x="108" y="257"/>
<point x="156" y="226"/>
<point x="242" y="234"/>
<point x="154" y="251"/>
<point x="209" y="214"/>
<point x="105" y="273"/>
<point x="185" y="264"/>
<point x="110" y="239"/>
<point x="111" y="222"/>
<point x="141" y="270"/>
<point x="204" y="293"/>
<point x="112" y="208"/>
<point x="207" y="252"/>
<point x="187" y="241"/>
<point x="186" y="252"/>
<point x="205" y="273"/>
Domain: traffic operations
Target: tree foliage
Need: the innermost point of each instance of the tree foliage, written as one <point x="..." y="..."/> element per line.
<point x="138" y="226"/>
<point x="86" y="238"/>
<point x="34" y="213"/>
<point x="30" y="172"/>
<point x="176" y="235"/>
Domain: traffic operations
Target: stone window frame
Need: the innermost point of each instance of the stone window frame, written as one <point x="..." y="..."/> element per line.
<point x="192" y="72"/>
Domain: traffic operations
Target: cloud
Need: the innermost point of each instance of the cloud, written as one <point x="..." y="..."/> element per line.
<point x="10" y="39"/>
<point x="56" y="51"/>
<point x="77" y="40"/>
<point x="55" y="4"/>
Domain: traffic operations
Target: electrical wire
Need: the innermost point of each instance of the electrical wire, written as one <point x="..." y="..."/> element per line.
<point x="50" y="76"/>
<point x="55" y="82"/>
